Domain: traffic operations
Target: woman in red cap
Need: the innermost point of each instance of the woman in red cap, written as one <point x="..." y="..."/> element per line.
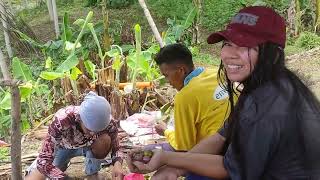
<point x="274" y="128"/>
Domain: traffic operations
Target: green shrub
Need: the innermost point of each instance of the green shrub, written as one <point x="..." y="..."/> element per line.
<point x="118" y="3"/>
<point x="308" y="40"/>
<point x="110" y="3"/>
<point x="169" y="8"/>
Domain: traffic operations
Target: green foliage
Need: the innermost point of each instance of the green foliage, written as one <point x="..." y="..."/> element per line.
<point x="308" y="40"/>
<point x="32" y="108"/>
<point x="110" y="3"/>
<point x="119" y="3"/>
<point x="4" y="154"/>
<point x="67" y="33"/>
<point x="90" y="67"/>
<point x="178" y="29"/>
<point x="173" y="9"/>
<point x="215" y="13"/>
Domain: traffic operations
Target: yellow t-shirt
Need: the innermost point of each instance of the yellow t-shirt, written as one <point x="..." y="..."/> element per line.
<point x="200" y="109"/>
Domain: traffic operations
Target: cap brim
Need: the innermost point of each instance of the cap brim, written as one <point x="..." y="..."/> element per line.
<point x="216" y="37"/>
<point x="241" y="39"/>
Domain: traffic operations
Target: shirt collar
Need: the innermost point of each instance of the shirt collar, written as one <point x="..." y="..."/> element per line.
<point x="196" y="72"/>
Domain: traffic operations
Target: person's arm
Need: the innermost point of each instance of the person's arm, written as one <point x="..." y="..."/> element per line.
<point x="116" y="155"/>
<point x="211" y="145"/>
<point x="202" y="164"/>
<point x="45" y="159"/>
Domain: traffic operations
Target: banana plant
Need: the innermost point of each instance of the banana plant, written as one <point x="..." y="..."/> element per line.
<point x="137" y="34"/>
<point x="68" y="67"/>
<point x="117" y="54"/>
<point x="30" y="89"/>
<point x="178" y="29"/>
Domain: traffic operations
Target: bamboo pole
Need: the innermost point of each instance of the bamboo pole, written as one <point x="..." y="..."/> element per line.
<point x="50" y="9"/>
<point x="5" y="29"/>
<point x="55" y="18"/>
<point x="151" y="22"/>
<point x="4" y="67"/>
<point x="317" y="27"/>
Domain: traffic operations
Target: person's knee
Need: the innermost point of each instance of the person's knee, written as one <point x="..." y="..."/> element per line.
<point x="101" y="146"/>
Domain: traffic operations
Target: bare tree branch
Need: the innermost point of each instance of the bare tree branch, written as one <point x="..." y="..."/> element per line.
<point x="151" y="22"/>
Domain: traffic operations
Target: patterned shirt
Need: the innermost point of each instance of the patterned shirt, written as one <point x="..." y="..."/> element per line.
<point x="65" y="132"/>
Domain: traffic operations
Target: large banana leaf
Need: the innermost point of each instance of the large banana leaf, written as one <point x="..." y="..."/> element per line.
<point x="5" y="103"/>
<point x="51" y="75"/>
<point x="25" y="91"/>
<point x="191" y="14"/>
<point x="90" y="67"/>
<point x="20" y="70"/>
<point x="75" y="72"/>
<point x="68" y="64"/>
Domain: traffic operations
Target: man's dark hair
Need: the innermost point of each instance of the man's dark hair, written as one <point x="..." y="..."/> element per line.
<point x="174" y="53"/>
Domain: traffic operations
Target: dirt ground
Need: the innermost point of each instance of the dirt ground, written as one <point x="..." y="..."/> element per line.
<point x="307" y="66"/>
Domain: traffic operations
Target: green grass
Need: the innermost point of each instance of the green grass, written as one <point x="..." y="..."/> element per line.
<point x="4" y="154"/>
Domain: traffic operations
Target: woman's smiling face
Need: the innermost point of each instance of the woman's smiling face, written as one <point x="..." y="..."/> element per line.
<point x="239" y="62"/>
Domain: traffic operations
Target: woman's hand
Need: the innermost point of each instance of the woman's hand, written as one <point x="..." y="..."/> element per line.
<point x="157" y="160"/>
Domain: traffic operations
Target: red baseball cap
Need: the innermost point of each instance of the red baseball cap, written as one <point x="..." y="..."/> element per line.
<point x="252" y="26"/>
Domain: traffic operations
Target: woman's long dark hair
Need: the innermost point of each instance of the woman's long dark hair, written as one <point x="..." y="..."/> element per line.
<point x="270" y="68"/>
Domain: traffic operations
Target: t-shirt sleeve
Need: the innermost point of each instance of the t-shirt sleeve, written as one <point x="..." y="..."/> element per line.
<point x="258" y="137"/>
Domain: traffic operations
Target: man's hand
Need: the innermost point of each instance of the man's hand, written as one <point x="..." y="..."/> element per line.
<point x="117" y="171"/>
<point x="160" y="128"/>
<point x="167" y="173"/>
<point x="157" y="160"/>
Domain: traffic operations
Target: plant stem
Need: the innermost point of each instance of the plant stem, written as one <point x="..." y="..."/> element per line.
<point x="88" y="18"/>
<point x="138" y="53"/>
<point x="98" y="44"/>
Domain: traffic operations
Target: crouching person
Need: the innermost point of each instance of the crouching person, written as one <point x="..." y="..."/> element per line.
<point x="86" y="130"/>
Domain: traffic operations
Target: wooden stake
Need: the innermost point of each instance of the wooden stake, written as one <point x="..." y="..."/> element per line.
<point x="55" y="18"/>
<point x="5" y="29"/>
<point x="4" y="67"/>
<point x="50" y="9"/>
<point x="151" y="22"/>
<point x="16" y="134"/>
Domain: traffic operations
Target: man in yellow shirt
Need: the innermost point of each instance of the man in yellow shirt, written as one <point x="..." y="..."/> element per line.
<point x="201" y="104"/>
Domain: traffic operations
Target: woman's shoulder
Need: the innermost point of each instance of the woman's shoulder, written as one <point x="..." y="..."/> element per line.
<point x="280" y="88"/>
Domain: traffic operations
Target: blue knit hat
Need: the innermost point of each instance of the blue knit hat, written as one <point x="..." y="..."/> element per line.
<point x="95" y="112"/>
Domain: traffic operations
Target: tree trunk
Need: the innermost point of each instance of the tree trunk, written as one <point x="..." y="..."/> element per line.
<point x="50" y="9"/>
<point x="151" y="22"/>
<point x="55" y="18"/>
<point x="196" y="24"/>
<point x="105" y="18"/>
<point x="5" y="29"/>
<point x="317" y="15"/>
<point x="4" y="67"/>
<point x="16" y="134"/>
<point x="15" y="151"/>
